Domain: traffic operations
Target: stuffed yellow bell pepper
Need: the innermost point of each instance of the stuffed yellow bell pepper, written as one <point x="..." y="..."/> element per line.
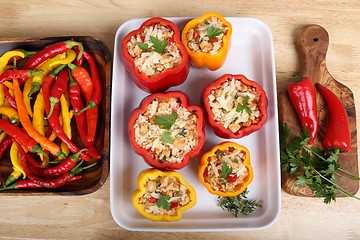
<point x="226" y="170"/>
<point x="163" y="195"/>
<point x="207" y="40"/>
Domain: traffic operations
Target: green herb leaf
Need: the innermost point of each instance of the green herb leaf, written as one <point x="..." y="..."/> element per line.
<point x="165" y="122"/>
<point x="243" y="106"/>
<point x="239" y="204"/>
<point x="207" y="22"/>
<point x="163" y="202"/>
<point x="225" y="170"/>
<point x="159" y="46"/>
<point x="219" y="152"/>
<point x="143" y="46"/>
<point x="212" y="32"/>
<point x="183" y="133"/>
<point x="166" y="137"/>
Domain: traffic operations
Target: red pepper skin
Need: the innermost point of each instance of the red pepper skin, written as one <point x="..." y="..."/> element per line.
<point x="51" y="51"/>
<point x="95" y="77"/>
<point x="5" y="145"/>
<point x="200" y="130"/>
<point x="54" y="120"/>
<point x="10" y="98"/>
<point x="80" y="119"/>
<point x="217" y="126"/>
<point x="303" y="98"/>
<point x="19" y="74"/>
<point x="338" y="133"/>
<point x="59" y="88"/>
<point x="44" y="182"/>
<point x="166" y="79"/>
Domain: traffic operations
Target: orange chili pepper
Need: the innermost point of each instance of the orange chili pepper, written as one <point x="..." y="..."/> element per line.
<point x="26" y="123"/>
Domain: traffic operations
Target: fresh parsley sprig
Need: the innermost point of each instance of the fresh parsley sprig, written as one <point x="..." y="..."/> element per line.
<point x="159" y="45"/>
<point x="212" y="32"/>
<point x="239" y="204"/>
<point x="165" y="121"/>
<point x="243" y="106"/>
<point x="320" y="168"/>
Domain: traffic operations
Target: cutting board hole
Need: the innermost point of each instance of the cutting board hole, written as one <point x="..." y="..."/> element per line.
<point x="315" y="39"/>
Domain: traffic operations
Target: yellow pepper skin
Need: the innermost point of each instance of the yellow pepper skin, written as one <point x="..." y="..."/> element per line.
<point x="151" y="175"/>
<point x="39" y="110"/>
<point x="204" y="59"/>
<point x="15" y="160"/>
<point x="11" y="113"/>
<point x="2" y="95"/>
<point x="223" y="149"/>
<point x="4" y="59"/>
<point x="27" y="100"/>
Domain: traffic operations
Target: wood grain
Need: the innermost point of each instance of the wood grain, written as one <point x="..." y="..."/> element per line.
<point x="312" y="43"/>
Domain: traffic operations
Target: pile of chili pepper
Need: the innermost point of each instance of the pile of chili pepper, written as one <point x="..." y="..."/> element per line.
<point x="38" y="104"/>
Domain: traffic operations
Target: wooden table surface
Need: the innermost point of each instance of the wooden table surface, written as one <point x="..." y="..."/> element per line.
<point x="88" y="216"/>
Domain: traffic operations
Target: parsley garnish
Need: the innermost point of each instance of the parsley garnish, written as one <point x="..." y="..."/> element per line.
<point x="143" y="46"/>
<point x="239" y="204"/>
<point x="159" y="46"/>
<point x="166" y="137"/>
<point x="163" y="202"/>
<point x="207" y="22"/>
<point x="225" y="170"/>
<point x="212" y="32"/>
<point x="165" y="122"/>
<point x="219" y="152"/>
<point x="320" y="168"/>
<point x="183" y="133"/>
<point x="243" y="106"/>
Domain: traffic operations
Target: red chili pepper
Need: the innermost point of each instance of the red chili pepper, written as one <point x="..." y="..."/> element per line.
<point x="303" y="98"/>
<point x="54" y="119"/>
<point x="5" y="145"/>
<point x="21" y="137"/>
<point x="10" y="98"/>
<point x="44" y="182"/>
<point x="240" y="108"/>
<point x="165" y="79"/>
<point x="34" y="163"/>
<point x="63" y="167"/>
<point x="51" y="51"/>
<point x="338" y="134"/>
<point x="150" y="156"/>
<point x="82" y="77"/>
<point x="78" y="62"/>
<point x="59" y="88"/>
<point x="20" y="75"/>
<point x="81" y="123"/>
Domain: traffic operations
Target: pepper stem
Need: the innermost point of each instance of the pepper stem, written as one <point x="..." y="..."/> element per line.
<point x="91" y="104"/>
<point x="53" y="101"/>
<point x="37" y="149"/>
<point x="35" y="86"/>
<point x="72" y="66"/>
<point x="76" y="156"/>
<point x="27" y="53"/>
<point x="57" y="70"/>
<point x="61" y="154"/>
<point x="32" y="73"/>
<point x="70" y="44"/>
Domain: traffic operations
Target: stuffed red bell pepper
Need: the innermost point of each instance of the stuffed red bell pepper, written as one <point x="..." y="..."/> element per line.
<point x="166" y="131"/>
<point x="235" y="106"/>
<point x="154" y="55"/>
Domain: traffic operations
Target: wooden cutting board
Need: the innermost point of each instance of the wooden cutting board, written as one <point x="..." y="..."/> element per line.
<point x="312" y="43"/>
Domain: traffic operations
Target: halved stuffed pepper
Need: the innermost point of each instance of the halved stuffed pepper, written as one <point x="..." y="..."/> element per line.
<point x="163" y="195"/>
<point x="226" y="170"/>
<point x="166" y="131"/>
<point x="154" y="55"/>
<point x="207" y="40"/>
<point x="235" y="106"/>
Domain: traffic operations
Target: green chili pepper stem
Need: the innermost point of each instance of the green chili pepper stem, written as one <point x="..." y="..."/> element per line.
<point x="14" y="120"/>
<point x="74" y="170"/>
<point x="37" y="149"/>
<point x="70" y="44"/>
<point x="75" y="157"/>
<point x="72" y="66"/>
<point x="35" y="86"/>
<point x="12" y="186"/>
<point x="57" y="70"/>
<point x="61" y="154"/>
<point x="53" y="101"/>
<point x="15" y="63"/>
<point x="9" y="180"/>
<point x="27" y="53"/>
<point x="32" y="73"/>
<point x="91" y="104"/>
<point x="72" y="81"/>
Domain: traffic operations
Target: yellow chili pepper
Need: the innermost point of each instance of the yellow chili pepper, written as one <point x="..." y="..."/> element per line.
<point x="49" y="66"/>
<point x="2" y="136"/>
<point x="2" y="95"/>
<point x="15" y="159"/>
<point x="66" y="121"/>
<point x="230" y="178"/>
<point x="4" y="59"/>
<point x="14" y="175"/>
<point x="168" y="202"/>
<point x="11" y="113"/>
<point x="200" y="59"/>
<point x="27" y="100"/>
<point x="38" y="120"/>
